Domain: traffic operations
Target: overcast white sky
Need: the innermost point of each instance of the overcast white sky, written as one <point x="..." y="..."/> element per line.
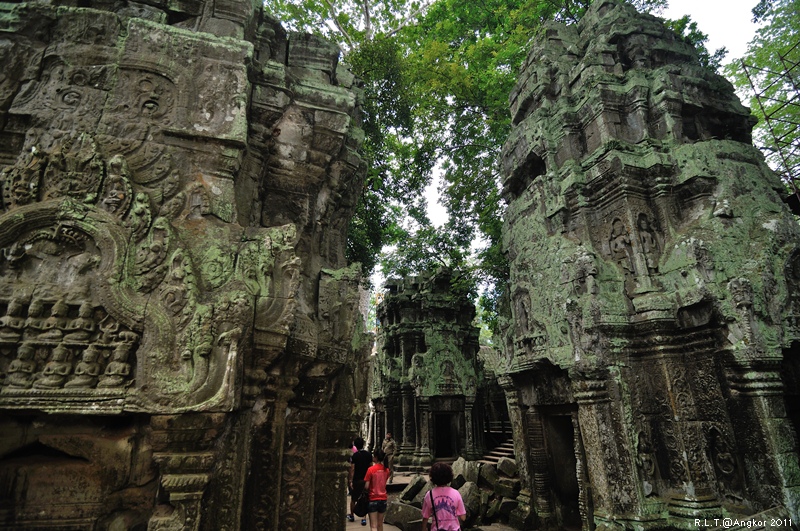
<point x="727" y="22"/>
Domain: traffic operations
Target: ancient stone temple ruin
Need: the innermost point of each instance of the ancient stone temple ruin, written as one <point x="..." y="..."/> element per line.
<point x="179" y="343"/>
<point x="427" y="386"/>
<point x="652" y="360"/>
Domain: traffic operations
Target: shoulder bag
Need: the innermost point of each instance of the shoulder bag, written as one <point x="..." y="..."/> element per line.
<point x="433" y="508"/>
<point x="362" y="504"/>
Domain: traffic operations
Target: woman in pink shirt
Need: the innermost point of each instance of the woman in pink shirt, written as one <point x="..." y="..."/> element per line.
<point x="375" y="484"/>
<point x="442" y="502"/>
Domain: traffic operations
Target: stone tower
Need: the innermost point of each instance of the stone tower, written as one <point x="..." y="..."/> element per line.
<point x="178" y="328"/>
<point x="654" y="287"/>
<point x="427" y="373"/>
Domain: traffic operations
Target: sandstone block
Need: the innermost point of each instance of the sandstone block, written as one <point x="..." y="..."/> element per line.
<point x="404" y="516"/>
<point x="414" y="487"/>
<point x="469" y="469"/>
<point x="488" y="476"/>
<point x="507" y="466"/>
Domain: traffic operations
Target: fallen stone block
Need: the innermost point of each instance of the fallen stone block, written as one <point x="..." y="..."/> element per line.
<point x="507" y="487"/>
<point x="404" y="516"/>
<point x="471" y="494"/>
<point x="469" y="469"/>
<point x="416" y="484"/>
<point x="488" y="476"/>
<point x="507" y="467"/>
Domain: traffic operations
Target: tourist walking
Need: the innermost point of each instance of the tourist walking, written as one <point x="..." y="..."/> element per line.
<point x="389" y="448"/>
<point x="375" y="485"/>
<point x="359" y="463"/>
<point x="442" y="504"/>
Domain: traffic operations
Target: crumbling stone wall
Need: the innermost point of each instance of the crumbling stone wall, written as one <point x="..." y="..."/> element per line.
<point x="653" y="294"/>
<point x="178" y="328"/>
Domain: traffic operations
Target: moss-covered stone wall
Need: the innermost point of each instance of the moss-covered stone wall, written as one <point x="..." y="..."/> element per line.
<point x="179" y="332"/>
<point x="652" y="285"/>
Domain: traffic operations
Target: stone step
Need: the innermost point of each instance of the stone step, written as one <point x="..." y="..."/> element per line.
<point x="505" y="449"/>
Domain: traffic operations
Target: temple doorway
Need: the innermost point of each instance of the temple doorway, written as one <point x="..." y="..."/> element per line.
<point x="790" y="375"/>
<point x="445" y="435"/>
<point x="560" y="437"/>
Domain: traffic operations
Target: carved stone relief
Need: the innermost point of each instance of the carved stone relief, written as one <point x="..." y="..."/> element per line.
<point x="655" y="273"/>
<point x="141" y="283"/>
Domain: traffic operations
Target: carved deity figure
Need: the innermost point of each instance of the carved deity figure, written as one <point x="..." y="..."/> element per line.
<point x="116" y="196"/>
<point x="450" y="380"/>
<point x="21" y="183"/>
<point x="725" y="466"/>
<point x="723" y="458"/>
<point x="574" y="314"/>
<point x="742" y="296"/>
<point x="649" y="244"/>
<point x="109" y="329"/>
<point x="118" y="369"/>
<point x="82" y="327"/>
<point x="34" y="322"/>
<point x="646" y="462"/>
<point x="12" y="323"/>
<point x="585" y="272"/>
<point x="199" y="203"/>
<point x="20" y="370"/>
<point x="88" y="369"/>
<point x="416" y="372"/>
<point x="56" y="370"/>
<point x="53" y="327"/>
<point x="521" y="303"/>
<point x="620" y="244"/>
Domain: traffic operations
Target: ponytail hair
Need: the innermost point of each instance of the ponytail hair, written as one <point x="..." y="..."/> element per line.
<point x="380" y="456"/>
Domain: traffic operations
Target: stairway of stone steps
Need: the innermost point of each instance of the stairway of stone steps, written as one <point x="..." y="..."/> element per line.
<point x="505" y="449"/>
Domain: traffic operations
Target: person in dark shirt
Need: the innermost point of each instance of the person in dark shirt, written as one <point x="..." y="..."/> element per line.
<point x="359" y="463"/>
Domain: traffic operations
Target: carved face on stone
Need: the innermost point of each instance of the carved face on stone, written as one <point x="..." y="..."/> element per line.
<point x="25" y="352"/>
<point x="36" y="308"/>
<point x="90" y="355"/>
<point x="60" y="353"/>
<point x="66" y="98"/>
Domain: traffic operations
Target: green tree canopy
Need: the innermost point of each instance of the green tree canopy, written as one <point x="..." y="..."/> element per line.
<point x="770" y="73"/>
<point x="437" y="77"/>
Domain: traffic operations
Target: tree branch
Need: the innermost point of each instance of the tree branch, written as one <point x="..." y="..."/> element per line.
<point x="367" y="21"/>
<point x="336" y="22"/>
<point x="409" y="19"/>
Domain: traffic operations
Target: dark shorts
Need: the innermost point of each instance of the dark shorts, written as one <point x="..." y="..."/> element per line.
<point x="377" y="506"/>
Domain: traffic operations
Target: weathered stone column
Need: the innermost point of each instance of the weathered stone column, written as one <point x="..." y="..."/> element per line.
<point x="523" y="515"/>
<point x="331" y="489"/>
<point x="183" y="451"/>
<point x="408" y="444"/>
<point x="686" y="441"/>
<point x="470" y="451"/>
<point x="539" y="465"/>
<point x="767" y="435"/>
<point x="584" y="497"/>
<point x="610" y="470"/>
<point x="264" y="488"/>
<point x="422" y="453"/>
<point x="381" y="424"/>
